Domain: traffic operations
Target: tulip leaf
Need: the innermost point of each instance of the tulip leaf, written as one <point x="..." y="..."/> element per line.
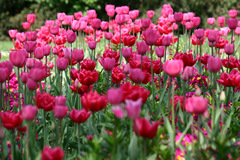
<point x="152" y="157"/>
<point x="133" y="148"/>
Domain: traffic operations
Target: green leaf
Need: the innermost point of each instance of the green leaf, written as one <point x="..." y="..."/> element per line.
<point x="133" y="148"/>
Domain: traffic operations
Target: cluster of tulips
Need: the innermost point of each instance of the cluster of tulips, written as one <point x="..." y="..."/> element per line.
<point x="127" y="88"/>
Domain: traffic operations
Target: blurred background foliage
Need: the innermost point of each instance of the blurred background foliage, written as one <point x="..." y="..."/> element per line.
<point x="14" y="12"/>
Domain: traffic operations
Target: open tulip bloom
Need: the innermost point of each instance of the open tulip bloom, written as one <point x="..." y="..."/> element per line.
<point x="65" y="94"/>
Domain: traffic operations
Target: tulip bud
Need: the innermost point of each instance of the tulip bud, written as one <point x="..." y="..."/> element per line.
<point x="229" y="48"/>
<point x="160" y="51"/>
<point x="92" y="44"/>
<point x="222" y="96"/>
<point x="71" y="37"/>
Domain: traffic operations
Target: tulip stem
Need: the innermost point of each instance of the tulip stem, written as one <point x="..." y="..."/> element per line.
<point x="79" y="135"/>
<point x="44" y="129"/>
<point x="189" y="44"/>
<point x="25" y="94"/>
<point x="213" y="99"/>
<point x="93" y="124"/>
<point x="212" y="48"/>
<point x="60" y="130"/>
<point x="160" y="75"/>
<point x="152" y="77"/>
<point x="184" y="93"/>
<point x="120" y="45"/>
<point x="13" y="145"/>
<point x="144" y="149"/>
<point x="19" y="92"/>
<point x="228" y="70"/>
<point x="114" y="138"/>
<point x="60" y="83"/>
<point x="8" y="93"/>
<point x="177" y="42"/>
<point x="165" y="54"/>
<point x="1" y="96"/>
<point x="108" y="76"/>
<point x="173" y="114"/>
<point x="232" y="36"/>
<point x="200" y="67"/>
<point x="193" y="152"/>
<point x="233" y="100"/>
<point x="27" y="141"/>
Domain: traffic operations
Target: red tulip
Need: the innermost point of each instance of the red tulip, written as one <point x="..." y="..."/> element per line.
<point x="93" y="101"/>
<point x="143" y="128"/>
<point x="233" y="62"/>
<point x="129" y="40"/>
<point x="88" y="64"/>
<point x="79" y="116"/>
<point x="45" y="101"/>
<point x="186" y="58"/>
<point x="11" y="120"/>
<point x="52" y="154"/>
<point x="137" y="75"/>
<point x="177" y="99"/>
<point x="117" y="75"/>
<point x="87" y="77"/>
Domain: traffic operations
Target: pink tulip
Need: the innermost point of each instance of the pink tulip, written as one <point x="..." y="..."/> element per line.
<point x="78" y="54"/>
<point x="221" y="21"/>
<point x="37" y="74"/>
<point x="92" y="14"/>
<point x="13" y="33"/>
<point x="17" y="58"/>
<point x="4" y="75"/>
<point x="118" y="112"/>
<point x="30" y="62"/>
<point x="31" y="84"/>
<point x="212" y="35"/>
<point x="49" y="23"/>
<point x="178" y="16"/>
<point x="78" y="15"/>
<point x="151" y="37"/>
<point x="229" y="48"/>
<point x="92" y="44"/>
<point x="237" y="31"/>
<point x="111" y="12"/>
<point x="31" y="18"/>
<point x="134" y="14"/>
<point x="38" y="53"/>
<point x="136" y="75"/>
<point x="133" y="108"/>
<point x="61" y="16"/>
<point x="75" y="25"/>
<point x="150" y="14"/>
<point x="173" y="68"/>
<point x="232" y="13"/>
<point x="67" y="52"/>
<point x="142" y="47"/>
<point x="196" y="21"/>
<point x="104" y="25"/>
<point x="232" y="23"/>
<point x="108" y="35"/>
<point x="24" y="77"/>
<point x="47" y="50"/>
<point x="61" y="63"/>
<point x="199" y="33"/>
<point x="21" y="37"/>
<point x="214" y="64"/>
<point x="60" y="111"/>
<point x="96" y="23"/>
<point x="29" y="112"/>
<point x="107" y="63"/>
<point x="109" y="6"/>
<point x="145" y="23"/>
<point x="189" y="25"/>
<point x="31" y="35"/>
<point x="83" y="25"/>
<point x="188" y="73"/>
<point x="115" y="96"/>
<point x="54" y="30"/>
<point x="197" y="105"/>
<point x="60" y="100"/>
<point x="127" y="52"/>
<point x="71" y="37"/>
<point x="166" y="41"/>
<point x="120" y="19"/>
<point x="30" y="46"/>
<point x="211" y="20"/>
<point x="126" y="69"/>
<point x="160" y="51"/>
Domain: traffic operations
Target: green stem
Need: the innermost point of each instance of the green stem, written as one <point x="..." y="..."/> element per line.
<point x="173" y="113"/>
<point x="228" y="69"/>
<point x="27" y="141"/>
<point x="19" y="89"/>
<point x="153" y="95"/>
<point x="200" y="66"/>
<point x="212" y="48"/>
<point x="178" y="41"/>
<point x="79" y="135"/>
<point x="193" y="152"/>
<point x="115" y="138"/>
<point x="44" y="129"/>
<point x="60" y="130"/>
<point x="145" y="149"/>
<point x="45" y="86"/>
<point x="13" y="145"/>
<point x="141" y="61"/>
<point x="60" y="83"/>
